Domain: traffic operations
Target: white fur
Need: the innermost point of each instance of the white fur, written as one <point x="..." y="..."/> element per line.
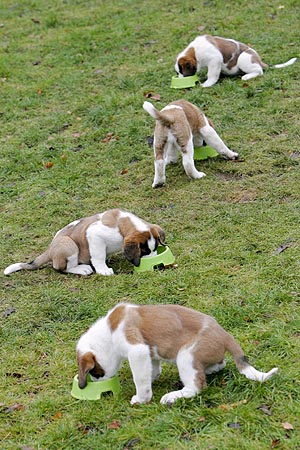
<point x="210" y="57"/>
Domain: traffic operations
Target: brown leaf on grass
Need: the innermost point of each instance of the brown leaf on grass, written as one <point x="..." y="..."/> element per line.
<point x="39" y="91"/>
<point x="56" y="416"/>
<point x="114" y="425"/>
<point x="110" y="137"/>
<point x="275" y="443"/>
<point x="287" y="426"/>
<point x="49" y="164"/>
<point x="201" y="419"/>
<point x="124" y="171"/>
<point x="152" y="95"/>
<point x="14" y="407"/>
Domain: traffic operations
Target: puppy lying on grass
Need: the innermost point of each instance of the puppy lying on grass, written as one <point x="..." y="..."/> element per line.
<point x="82" y="246"/>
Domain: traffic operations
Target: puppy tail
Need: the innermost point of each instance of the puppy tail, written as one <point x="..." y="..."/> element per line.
<point x="157" y="115"/>
<point x="243" y="365"/>
<point x="288" y="63"/>
<point x="33" y="265"/>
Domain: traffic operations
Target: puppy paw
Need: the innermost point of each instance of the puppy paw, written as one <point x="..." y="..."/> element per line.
<point x="199" y="175"/>
<point x="136" y="400"/>
<point x="170" y="397"/>
<point x="106" y="271"/>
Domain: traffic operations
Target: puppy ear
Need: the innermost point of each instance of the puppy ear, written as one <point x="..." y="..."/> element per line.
<point x="132" y="251"/>
<point x="86" y="362"/>
<point x="158" y="234"/>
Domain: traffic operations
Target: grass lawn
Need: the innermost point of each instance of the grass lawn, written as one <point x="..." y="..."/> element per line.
<point x="73" y="71"/>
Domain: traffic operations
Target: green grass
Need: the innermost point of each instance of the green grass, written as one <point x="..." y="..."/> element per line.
<point x="73" y="71"/>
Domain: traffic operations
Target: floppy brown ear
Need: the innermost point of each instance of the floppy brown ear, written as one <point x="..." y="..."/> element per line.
<point x="86" y="362"/>
<point x="132" y="251"/>
<point x="158" y="234"/>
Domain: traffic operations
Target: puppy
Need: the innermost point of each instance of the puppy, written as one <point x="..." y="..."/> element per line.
<point x="147" y="335"/>
<point x="221" y="55"/>
<point x="82" y="246"/>
<point x="180" y="126"/>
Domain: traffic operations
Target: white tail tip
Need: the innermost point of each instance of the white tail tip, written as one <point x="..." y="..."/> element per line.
<point x="252" y="374"/>
<point x="288" y="63"/>
<point x="150" y="109"/>
<point x="13" y="268"/>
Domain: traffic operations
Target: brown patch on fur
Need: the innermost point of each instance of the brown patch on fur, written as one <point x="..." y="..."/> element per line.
<point x="255" y="58"/>
<point x="132" y="246"/>
<point x="126" y="226"/>
<point x="188" y="63"/>
<point x="116" y="317"/>
<point x="110" y="218"/>
<point x="195" y="117"/>
<point x="77" y="233"/>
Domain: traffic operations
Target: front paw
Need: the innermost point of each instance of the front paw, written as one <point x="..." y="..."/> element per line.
<point x="170" y="397"/>
<point x="136" y="400"/>
<point x="106" y="271"/>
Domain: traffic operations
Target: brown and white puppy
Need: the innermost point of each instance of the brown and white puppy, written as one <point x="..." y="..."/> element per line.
<point x="146" y="335"/>
<point x="82" y="246"/>
<point x="221" y="55"/>
<point x="179" y="127"/>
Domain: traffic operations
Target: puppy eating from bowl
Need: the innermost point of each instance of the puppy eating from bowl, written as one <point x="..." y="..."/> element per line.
<point x="221" y="55"/>
<point x="82" y="246"/>
<point x="179" y="127"/>
<point x="146" y="335"/>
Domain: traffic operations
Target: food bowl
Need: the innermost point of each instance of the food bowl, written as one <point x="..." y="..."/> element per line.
<point x="204" y="152"/>
<point x="94" y="389"/>
<point x="163" y="257"/>
<point x="184" y="82"/>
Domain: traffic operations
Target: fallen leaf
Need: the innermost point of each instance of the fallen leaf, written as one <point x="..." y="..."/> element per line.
<point x="287" y="426"/>
<point x="283" y="247"/>
<point x="49" y="164"/>
<point x="56" y="416"/>
<point x="275" y="443"/>
<point x="110" y="137"/>
<point x="201" y="419"/>
<point x="131" y="443"/>
<point x="39" y="91"/>
<point x="124" y="171"/>
<point x="265" y="409"/>
<point x="152" y="95"/>
<point x="12" y="408"/>
<point x="114" y="425"/>
<point x="8" y="312"/>
<point x="234" y="425"/>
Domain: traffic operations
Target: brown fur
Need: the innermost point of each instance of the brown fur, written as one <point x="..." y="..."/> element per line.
<point x="87" y="364"/>
<point x="188" y="62"/>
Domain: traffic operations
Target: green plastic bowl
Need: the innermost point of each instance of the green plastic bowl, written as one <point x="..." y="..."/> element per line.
<point x="184" y="82"/>
<point x="163" y="258"/>
<point x="94" y="389"/>
<point x="205" y="152"/>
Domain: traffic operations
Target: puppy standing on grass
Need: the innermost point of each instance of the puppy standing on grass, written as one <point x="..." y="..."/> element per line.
<point x="179" y="127"/>
<point x="82" y="246"/>
<point x="149" y="334"/>
<point x="221" y="55"/>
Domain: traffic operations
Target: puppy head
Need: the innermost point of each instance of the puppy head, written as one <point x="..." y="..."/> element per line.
<point x="87" y="363"/>
<point x="142" y="243"/>
<point x="186" y="65"/>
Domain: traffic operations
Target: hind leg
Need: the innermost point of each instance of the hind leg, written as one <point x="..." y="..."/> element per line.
<point x="250" y="68"/>
<point x="188" y="161"/>
<point x="215" y="367"/>
<point x="193" y="379"/>
<point x="212" y="138"/>
<point x="64" y="254"/>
